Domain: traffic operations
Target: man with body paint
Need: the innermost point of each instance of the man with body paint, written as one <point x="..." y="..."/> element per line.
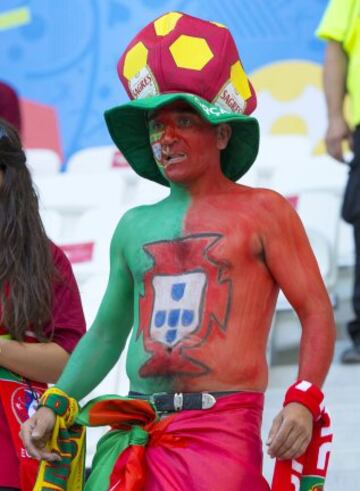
<point x="195" y="279"/>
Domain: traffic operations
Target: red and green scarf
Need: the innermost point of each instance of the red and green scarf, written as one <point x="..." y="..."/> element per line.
<point x="308" y="472"/>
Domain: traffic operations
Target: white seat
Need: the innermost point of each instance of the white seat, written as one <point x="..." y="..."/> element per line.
<point x="101" y="159"/>
<point x="147" y="192"/>
<point x="319" y="210"/>
<point x="280" y="157"/>
<point x="92" y="160"/>
<point x="285" y="163"/>
<point x="42" y="162"/>
<point x="72" y="196"/>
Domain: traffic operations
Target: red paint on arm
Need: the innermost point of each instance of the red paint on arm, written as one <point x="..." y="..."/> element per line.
<point x="293" y="265"/>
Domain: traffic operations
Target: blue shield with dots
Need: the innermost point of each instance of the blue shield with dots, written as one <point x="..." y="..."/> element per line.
<point x="178" y="306"/>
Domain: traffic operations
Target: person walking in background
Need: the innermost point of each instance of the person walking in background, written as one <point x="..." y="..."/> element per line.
<point x="41" y="317"/>
<point x="340" y="27"/>
<point x="10" y="105"/>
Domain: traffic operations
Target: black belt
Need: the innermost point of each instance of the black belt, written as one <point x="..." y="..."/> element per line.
<point x="180" y="401"/>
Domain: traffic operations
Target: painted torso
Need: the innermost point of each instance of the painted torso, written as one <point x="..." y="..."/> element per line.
<point x="203" y="295"/>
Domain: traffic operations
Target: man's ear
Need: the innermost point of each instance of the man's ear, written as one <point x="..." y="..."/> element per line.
<point x="223" y="135"/>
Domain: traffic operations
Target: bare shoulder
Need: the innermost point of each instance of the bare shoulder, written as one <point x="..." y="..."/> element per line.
<point x="264" y="199"/>
<point x="130" y="219"/>
<point x="127" y="225"/>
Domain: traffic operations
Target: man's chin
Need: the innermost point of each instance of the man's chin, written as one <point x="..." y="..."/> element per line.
<point x="174" y="173"/>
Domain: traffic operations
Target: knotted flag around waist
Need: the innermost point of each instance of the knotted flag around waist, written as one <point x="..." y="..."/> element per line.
<point x="132" y="423"/>
<point x="135" y="424"/>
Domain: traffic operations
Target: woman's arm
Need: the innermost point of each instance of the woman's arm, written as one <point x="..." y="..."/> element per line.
<point x="42" y="362"/>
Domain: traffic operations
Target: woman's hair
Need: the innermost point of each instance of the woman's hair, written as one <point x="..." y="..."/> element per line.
<point x="26" y="263"/>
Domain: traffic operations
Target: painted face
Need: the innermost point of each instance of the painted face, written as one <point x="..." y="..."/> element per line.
<point x="184" y="145"/>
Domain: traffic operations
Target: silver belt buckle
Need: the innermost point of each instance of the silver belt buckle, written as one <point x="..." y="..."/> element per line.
<point x="178" y="401"/>
<point x="207" y="400"/>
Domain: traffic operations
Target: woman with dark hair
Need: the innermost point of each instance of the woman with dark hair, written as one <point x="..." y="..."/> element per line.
<point x="41" y="317"/>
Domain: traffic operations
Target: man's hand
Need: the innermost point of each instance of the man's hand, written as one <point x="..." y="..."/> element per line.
<point x="338" y="131"/>
<point x="36" y="432"/>
<point x="290" y="433"/>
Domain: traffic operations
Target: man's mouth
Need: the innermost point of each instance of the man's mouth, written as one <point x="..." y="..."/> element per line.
<point x="173" y="158"/>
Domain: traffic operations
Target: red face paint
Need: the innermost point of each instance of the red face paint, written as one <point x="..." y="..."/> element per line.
<point x="184" y="145"/>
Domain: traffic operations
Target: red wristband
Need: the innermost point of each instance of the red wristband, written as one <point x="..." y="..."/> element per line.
<point x="308" y="395"/>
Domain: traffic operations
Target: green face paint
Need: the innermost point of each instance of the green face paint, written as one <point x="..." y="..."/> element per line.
<point x="155" y="135"/>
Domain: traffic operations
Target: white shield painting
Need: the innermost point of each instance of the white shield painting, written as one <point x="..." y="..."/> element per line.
<point x="177" y="306"/>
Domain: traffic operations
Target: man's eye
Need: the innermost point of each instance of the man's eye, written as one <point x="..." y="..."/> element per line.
<point x="156" y="126"/>
<point x="184" y="122"/>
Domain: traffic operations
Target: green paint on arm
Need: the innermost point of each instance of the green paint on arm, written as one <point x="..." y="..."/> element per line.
<point x="100" y="348"/>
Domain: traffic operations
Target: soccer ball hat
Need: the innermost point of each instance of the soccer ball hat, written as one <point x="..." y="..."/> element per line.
<point x="182" y="58"/>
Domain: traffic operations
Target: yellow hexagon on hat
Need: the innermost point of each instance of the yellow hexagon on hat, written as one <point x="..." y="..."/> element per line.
<point x="191" y="52"/>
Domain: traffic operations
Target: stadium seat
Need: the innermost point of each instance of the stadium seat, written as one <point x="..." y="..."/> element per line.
<point x="146" y="193"/>
<point x="72" y="196"/>
<point x="43" y="162"/>
<point x="101" y="159"/>
<point x="285" y="163"/>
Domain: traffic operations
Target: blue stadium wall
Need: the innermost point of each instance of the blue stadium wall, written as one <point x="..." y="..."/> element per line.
<point x="63" y="53"/>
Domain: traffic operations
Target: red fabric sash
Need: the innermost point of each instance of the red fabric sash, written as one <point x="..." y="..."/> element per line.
<point x="306" y="473"/>
<point x="220" y="445"/>
<point x="128" y="472"/>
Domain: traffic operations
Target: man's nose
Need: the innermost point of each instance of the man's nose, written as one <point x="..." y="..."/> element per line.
<point x="169" y="135"/>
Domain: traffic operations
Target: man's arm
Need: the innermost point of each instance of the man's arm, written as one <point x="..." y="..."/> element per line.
<point x="334" y="80"/>
<point x="293" y="265"/>
<point x="100" y="348"/>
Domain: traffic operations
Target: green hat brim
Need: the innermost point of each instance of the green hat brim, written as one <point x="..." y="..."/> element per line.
<point x="128" y="128"/>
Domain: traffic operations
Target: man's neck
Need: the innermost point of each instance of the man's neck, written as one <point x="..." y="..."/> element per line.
<point x="201" y="187"/>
